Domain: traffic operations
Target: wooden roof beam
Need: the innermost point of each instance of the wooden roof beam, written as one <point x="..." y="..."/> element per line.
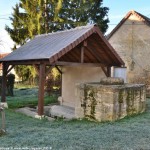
<point x="62" y="63"/>
<point x="58" y="69"/>
<point x="34" y="62"/>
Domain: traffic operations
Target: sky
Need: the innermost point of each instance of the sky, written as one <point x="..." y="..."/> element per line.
<point x="117" y="10"/>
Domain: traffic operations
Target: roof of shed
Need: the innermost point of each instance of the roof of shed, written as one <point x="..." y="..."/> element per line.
<point x="55" y="46"/>
<point x="132" y="12"/>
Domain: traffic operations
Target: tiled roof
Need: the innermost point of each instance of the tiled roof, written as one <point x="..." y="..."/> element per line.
<point x="140" y="16"/>
<point x="46" y="45"/>
<point x="53" y="46"/>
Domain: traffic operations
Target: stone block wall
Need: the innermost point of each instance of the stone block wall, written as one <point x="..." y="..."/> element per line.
<point x="132" y="42"/>
<point x="109" y="102"/>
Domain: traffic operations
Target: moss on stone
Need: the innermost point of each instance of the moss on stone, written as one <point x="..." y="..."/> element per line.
<point x="120" y="100"/>
<point x="89" y="95"/>
<point x="127" y="96"/>
<point x="130" y="102"/>
<point x="85" y="99"/>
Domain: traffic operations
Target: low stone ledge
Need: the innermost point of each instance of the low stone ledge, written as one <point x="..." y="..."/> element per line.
<point x="112" y="81"/>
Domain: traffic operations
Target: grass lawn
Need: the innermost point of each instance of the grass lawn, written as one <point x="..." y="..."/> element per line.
<point x="27" y="97"/>
<point x="126" y="134"/>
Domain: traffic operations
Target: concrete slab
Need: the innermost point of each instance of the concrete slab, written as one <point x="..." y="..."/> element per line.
<point x="33" y="113"/>
<point x="50" y="112"/>
<point x="62" y="111"/>
<point x="27" y="111"/>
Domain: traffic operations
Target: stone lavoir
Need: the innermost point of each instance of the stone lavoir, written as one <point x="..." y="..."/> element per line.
<point x="109" y="100"/>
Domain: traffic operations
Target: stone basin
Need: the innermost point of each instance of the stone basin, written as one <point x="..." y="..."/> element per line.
<point x="109" y="102"/>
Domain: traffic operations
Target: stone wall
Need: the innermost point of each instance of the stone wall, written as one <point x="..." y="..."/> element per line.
<point x="132" y="42"/>
<point x="109" y="102"/>
<point x="77" y="74"/>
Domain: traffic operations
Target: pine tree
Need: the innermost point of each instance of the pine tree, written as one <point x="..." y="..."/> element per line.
<point x="41" y="16"/>
<point x="19" y="32"/>
<point x="81" y="12"/>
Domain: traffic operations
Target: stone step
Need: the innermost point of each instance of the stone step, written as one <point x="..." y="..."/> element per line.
<point x="27" y="111"/>
<point x="62" y="111"/>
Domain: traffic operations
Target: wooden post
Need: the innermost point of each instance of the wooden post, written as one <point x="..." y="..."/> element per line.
<point x="3" y="94"/>
<point x="108" y="71"/>
<point x="41" y="90"/>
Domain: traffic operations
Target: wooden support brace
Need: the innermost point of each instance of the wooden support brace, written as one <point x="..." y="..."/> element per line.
<point x="104" y="70"/>
<point x="62" y="63"/>
<point x="109" y="71"/>
<point x="49" y="70"/>
<point x="58" y="69"/>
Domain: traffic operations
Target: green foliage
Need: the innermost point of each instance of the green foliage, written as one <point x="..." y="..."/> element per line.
<point x="29" y="102"/>
<point x="81" y="12"/>
<point x="18" y="33"/>
<point x="23" y="86"/>
<point x="55" y="73"/>
<point x="26" y="73"/>
<point x="27" y="97"/>
<point x="53" y="82"/>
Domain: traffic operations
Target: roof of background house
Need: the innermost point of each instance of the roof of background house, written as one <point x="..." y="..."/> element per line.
<point x="132" y="12"/>
<point x="53" y="46"/>
<point x="1" y="56"/>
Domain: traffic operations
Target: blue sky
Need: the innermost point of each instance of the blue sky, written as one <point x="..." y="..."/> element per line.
<point x="117" y="10"/>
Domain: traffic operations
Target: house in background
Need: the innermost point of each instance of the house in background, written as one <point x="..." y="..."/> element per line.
<point x="131" y="40"/>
